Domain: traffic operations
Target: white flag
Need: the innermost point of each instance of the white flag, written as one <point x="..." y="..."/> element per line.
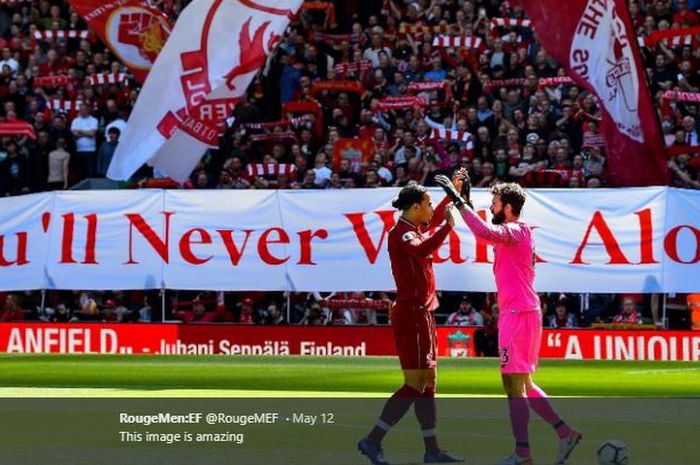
<point x="206" y="65"/>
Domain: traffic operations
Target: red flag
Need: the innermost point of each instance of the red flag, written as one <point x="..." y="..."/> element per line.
<point x="594" y="41"/>
<point x="133" y="30"/>
<point x="358" y="151"/>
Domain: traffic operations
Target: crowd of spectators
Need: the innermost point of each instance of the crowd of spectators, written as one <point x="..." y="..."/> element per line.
<point x="349" y="57"/>
<point x="338" y="73"/>
<point x="560" y="310"/>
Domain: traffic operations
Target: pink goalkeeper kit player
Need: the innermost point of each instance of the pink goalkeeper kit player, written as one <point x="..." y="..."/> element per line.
<point x="518" y="303"/>
<point x="520" y="317"/>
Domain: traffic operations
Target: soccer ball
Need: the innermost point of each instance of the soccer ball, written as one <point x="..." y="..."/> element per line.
<point x="613" y="452"/>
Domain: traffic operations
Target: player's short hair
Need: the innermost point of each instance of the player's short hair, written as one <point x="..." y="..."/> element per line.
<point x="410" y="194"/>
<point x="510" y="193"/>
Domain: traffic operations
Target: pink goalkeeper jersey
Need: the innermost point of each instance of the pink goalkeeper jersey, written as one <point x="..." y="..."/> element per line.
<point x="514" y="264"/>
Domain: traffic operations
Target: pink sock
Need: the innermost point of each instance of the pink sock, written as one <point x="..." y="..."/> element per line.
<point x="519" y="420"/>
<point x="539" y="402"/>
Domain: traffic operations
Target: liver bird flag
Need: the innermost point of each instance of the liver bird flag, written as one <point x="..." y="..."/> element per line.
<point x="213" y="53"/>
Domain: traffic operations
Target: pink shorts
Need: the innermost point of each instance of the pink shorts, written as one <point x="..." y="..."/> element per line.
<point x="519" y="340"/>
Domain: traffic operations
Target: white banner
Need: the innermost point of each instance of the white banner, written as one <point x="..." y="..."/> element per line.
<point x="24" y="247"/>
<point x="590" y="240"/>
<point x="205" y="67"/>
<point x="102" y="241"/>
<point x="234" y="241"/>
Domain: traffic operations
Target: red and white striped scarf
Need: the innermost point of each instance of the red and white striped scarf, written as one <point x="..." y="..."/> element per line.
<point x="336" y="38"/>
<point x="50" y="35"/>
<point x="65" y="105"/>
<point x="683" y="36"/>
<point x="107" y="78"/>
<point x="681" y="96"/>
<point x="681" y="41"/>
<point x="593" y="140"/>
<point x="400" y="103"/>
<point x="510" y="22"/>
<point x="342" y="69"/>
<point x="555" y="81"/>
<point x="422" y="29"/>
<point x="271" y="169"/>
<point x="278" y="137"/>
<point x="455" y="41"/>
<point x="336" y="85"/>
<point x="273" y="124"/>
<point x="446" y="134"/>
<point x="517" y="82"/>
<point x="426" y="86"/>
<point x="60" y="80"/>
<point x="685" y="40"/>
<point x="17" y="127"/>
<point x="670" y="95"/>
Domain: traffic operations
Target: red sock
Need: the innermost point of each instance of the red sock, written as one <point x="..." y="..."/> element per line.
<point x="426" y="412"/>
<point x="394" y="409"/>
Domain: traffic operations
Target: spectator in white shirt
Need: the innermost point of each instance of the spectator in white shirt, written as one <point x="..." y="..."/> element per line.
<point x="84" y="129"/>
<point x="372" y="52"/>
<point x="322" y="174"/>
<point x="8" y="60"/>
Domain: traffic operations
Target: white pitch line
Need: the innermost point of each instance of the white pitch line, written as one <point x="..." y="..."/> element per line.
<point x="661" y="371"/>
<point x="204" y="393"/>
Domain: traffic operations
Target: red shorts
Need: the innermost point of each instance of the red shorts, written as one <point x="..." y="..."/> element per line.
<point x="416" y="337"/>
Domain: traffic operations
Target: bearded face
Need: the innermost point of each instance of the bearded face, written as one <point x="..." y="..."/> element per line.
<point x="499" y="215"/>
<point x="498" y="218"/>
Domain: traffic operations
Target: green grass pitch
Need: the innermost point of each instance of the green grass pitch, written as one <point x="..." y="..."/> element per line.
<point x="651" y="406"/>
<point x="125" y="375"/>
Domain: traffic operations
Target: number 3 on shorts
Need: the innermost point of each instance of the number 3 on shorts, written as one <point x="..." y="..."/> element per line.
<point x="503" y="354"/>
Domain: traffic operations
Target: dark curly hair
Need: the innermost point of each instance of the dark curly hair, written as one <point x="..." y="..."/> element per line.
<point x="510" y="193"/>
<point x="410" y="194"/>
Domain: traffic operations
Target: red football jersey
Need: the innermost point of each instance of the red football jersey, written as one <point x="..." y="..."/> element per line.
<point x="412" y="261"/>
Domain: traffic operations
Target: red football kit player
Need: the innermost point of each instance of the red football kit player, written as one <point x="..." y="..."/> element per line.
<point x="412" y="317"/>
<point x="413" y="320"/>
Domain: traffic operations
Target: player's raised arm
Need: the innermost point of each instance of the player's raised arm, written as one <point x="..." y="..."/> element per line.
<point x="496" y="233"/>
<point x="439" y="216"/>
<point x="509" y="233"/>
<point x="414" y="245"/>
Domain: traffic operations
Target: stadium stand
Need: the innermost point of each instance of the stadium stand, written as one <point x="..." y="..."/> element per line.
<point x="388" y="72"/>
